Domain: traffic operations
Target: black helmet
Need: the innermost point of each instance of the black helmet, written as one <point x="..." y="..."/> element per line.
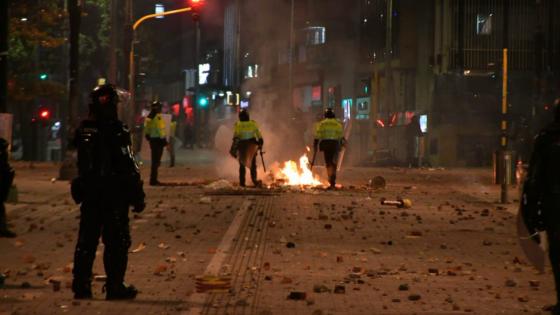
<point x="156" y="105"/>
<point x="104" y="99"/>
<point x="244" y="115"/>
<point x="329" y="113"/>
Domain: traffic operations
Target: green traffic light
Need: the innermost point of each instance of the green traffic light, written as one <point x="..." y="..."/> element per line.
<point x="43" y="76"/>
<point x="203" y="101"/>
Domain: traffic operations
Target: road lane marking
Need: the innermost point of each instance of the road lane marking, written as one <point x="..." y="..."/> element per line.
<point x="197" y="300"/>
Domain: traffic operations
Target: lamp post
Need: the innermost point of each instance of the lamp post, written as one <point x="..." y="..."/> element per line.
<point x="132" y="73"/>
<point x="291" y="61"/>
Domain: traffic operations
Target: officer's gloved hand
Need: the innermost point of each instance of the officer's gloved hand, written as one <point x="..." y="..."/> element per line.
<point x="139" y="207"/>
<point x="260" y="143"/>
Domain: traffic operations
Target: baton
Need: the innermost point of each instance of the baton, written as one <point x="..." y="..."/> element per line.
<point x="262" y="160"/>
<point x="313" y="160"/>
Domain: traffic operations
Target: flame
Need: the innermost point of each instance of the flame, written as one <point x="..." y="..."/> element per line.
<point x="299" y="176"/>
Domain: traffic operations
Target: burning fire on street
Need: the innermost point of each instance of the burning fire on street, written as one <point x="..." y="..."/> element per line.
<point x="297" y="174"/>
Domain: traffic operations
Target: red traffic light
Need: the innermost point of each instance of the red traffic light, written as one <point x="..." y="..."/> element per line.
<point x="196" y="3"/>
<point x="44" y="114"/>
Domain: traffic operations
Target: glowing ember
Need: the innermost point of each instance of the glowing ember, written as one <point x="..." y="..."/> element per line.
<point x="299" y="176"/>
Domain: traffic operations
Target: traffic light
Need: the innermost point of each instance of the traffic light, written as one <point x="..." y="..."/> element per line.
<point x="43" y="76"/>
<point x="202" y="100"/>
<point x="196" y="5"/>
<point x="44" y="114"/>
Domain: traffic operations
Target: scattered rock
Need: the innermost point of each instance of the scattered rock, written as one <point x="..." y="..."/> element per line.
<point x="25" y="285"/>
<point x="339" y="289"/>
<point x="328" y="226"/>
<point x="55" y="284"/>
<point x="404" y="287"/>
<point x="414" y="297"/>
<point x="375" y="250"/>
<point x="378" y="182"/>
<point x="511" y="283"/>
<point x="290" y="245"/>
<point x="523" y="299"/>
<point x="534" y="283"/>
<point x="320" y="288"/>
<point x="297" y="295"/>
<point x="205" y="200"/>
<point x="219" y="185"/>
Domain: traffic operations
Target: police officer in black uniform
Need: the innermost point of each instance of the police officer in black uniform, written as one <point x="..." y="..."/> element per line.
<point x="6" y="178"/>
<point x="108" y="183"/>
<point x="541" y="199"/>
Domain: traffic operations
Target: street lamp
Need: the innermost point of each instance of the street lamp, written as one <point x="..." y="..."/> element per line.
<point x="132" y="72"/>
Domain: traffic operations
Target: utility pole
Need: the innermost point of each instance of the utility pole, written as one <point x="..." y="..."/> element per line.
<point x="291" y="60"/>
<point x="75" y="16"/>
<point x="390" y="93"/>
<point x="4" y="56"/>
<point x="113" y="65"/>
<point x="505" y="156"/>
<point x="68" y="168"/>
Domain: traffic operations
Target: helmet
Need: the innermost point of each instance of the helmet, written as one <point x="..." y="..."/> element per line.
<point x="329" y="113"/>
<point x="156" y="105"/>
<point x="104" y="99"/>
<point x="244" y="115"/>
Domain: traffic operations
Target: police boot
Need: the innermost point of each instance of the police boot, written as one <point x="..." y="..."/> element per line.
<point x="7" y="233"/>
<point x="120" y="291"/>
<point x="81" y="289"/>
<point x="332" y="181"/>
<point x="4" y="231"/>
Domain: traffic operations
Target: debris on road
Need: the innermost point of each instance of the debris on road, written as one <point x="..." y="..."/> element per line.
<point x="320" y="288"/>
<point x="340" y="289"/>
<point x="297" y="296"/>
<point x="140" y="248"/>
<point x="55" y="284"/>
<point x="377" y="183"/>
<point x="205" y="200"/>
<point x="399" y="203"/>
<point x="219" y="184"/>
<point x="212" y="284"/>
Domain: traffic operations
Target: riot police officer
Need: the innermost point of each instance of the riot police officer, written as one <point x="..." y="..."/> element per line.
<point x="154" y="129"/>
<point x="247" y="140"/>
<point x="329" y="138"/>
<point x="108" y="183"/>
<point x="6" y="178"/>
<point x="541" y="198"/>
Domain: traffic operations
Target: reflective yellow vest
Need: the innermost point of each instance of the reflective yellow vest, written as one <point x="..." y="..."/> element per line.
<point x="245" y="130"/>
<point x="155" y="128"/>
<point x="329" y="129"/>
<point x="173" y="129"/>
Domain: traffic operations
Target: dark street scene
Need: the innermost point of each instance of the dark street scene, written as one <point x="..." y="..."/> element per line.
<point x="273" y="157"/>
